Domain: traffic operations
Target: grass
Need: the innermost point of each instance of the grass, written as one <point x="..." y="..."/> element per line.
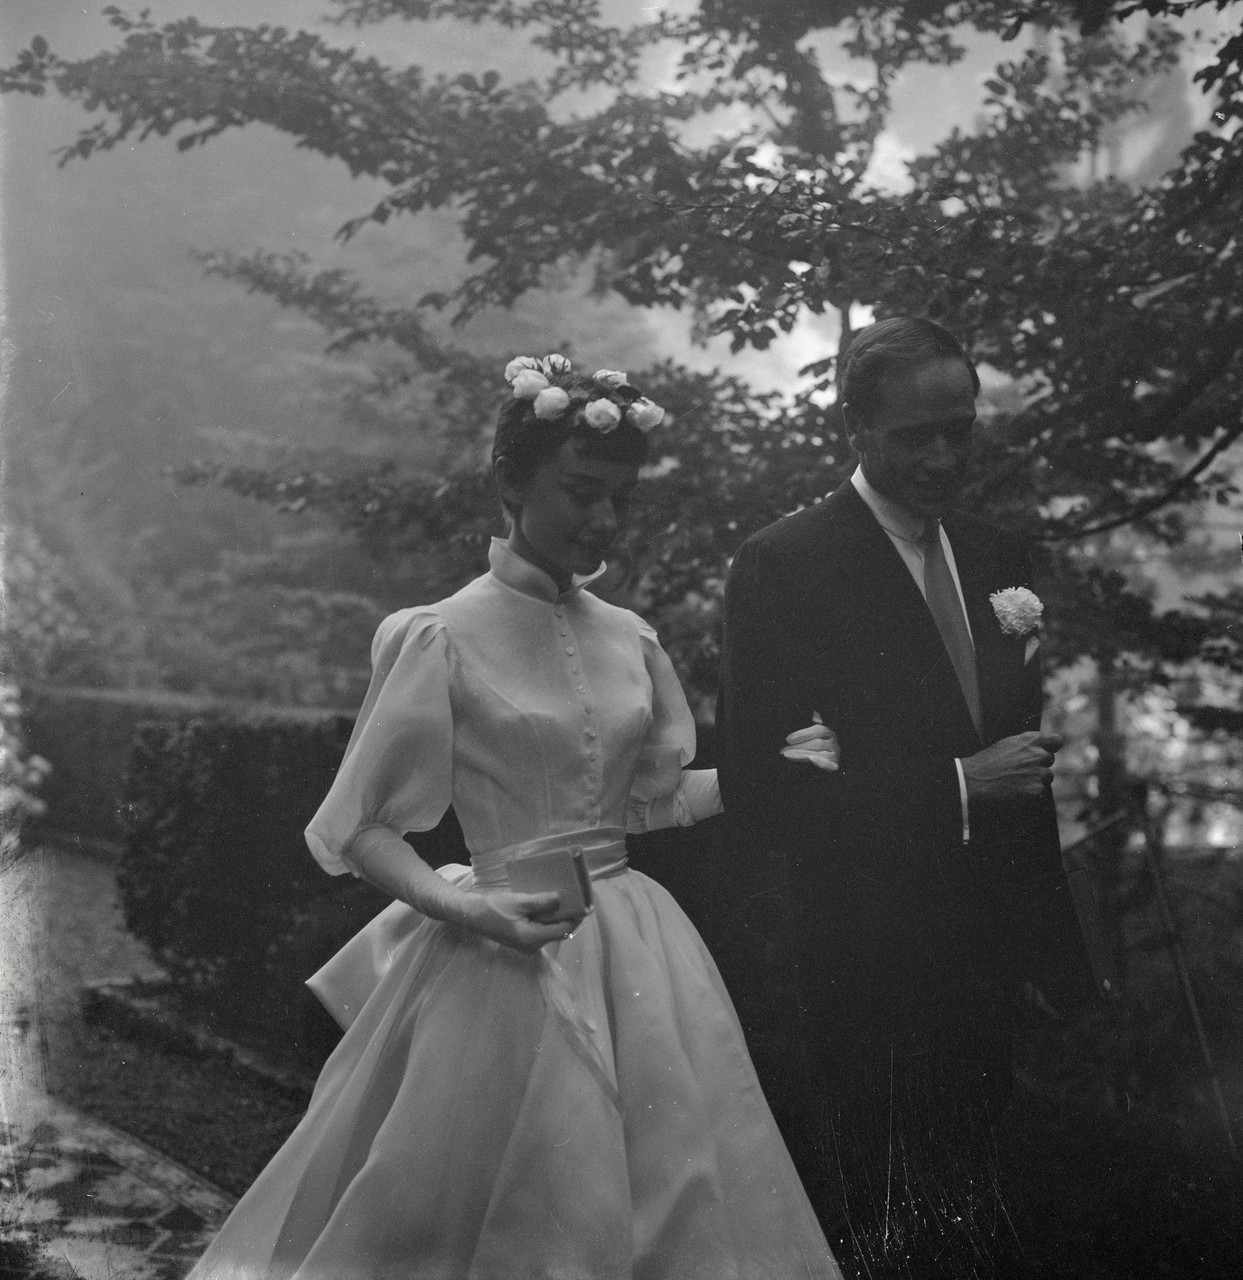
<point x="1124" y="1165"/>
<point x="1111" y="1197"/>
<point x="222" y="1123"/>
<point x="1095" y="1194"/>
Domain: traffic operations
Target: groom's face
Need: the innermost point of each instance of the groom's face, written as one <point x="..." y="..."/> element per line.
<point x="916" y="443"/>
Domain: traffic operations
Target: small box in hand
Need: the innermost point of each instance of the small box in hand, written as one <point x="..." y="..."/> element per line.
<point x="560" y="871"/>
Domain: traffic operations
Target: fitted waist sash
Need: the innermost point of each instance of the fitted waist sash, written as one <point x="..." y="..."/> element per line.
<point x="603" y="850"/>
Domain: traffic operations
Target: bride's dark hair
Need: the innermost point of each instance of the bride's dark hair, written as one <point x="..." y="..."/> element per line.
<point x="526" y="441"/>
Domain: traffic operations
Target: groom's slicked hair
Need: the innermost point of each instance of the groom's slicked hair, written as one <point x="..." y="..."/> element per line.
<point x="890" y="346"/>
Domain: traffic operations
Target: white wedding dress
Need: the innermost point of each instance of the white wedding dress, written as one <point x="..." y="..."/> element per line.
<point x="585" y="1113"/>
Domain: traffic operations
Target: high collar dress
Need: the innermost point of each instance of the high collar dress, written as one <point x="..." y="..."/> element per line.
<point x="588" y="1112"/>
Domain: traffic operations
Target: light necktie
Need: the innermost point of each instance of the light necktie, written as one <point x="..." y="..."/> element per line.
<point x="946" y="608"/>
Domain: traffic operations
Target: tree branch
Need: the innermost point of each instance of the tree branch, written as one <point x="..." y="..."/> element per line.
<point x="1168" y="495"/>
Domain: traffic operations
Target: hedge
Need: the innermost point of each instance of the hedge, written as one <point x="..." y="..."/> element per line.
<point x="87" y="735"/>
<point x="215" y="875"/>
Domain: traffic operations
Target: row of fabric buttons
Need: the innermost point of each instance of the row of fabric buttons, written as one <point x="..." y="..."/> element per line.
<point x="590" y="732"/>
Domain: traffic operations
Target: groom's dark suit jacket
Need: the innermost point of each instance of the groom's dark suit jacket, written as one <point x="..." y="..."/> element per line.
<point x="899" y="930"/>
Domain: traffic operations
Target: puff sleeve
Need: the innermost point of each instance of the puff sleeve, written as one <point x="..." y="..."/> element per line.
<point x="662" y="792"/>
<point x="398" y="767"/>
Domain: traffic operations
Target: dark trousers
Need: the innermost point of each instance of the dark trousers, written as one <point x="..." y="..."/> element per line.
<point x="894" y="1133"/>
<point x="896" y="1142"/>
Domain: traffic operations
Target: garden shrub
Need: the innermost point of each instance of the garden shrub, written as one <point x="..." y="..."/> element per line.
<point x="216" y="877"/>
<point x="87" y="735"/>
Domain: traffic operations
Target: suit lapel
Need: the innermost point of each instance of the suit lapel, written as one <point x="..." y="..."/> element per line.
<point x="878" y="568"/>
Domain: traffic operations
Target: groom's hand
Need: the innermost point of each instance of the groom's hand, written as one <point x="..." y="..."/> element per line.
<point x="1017" y="766"/>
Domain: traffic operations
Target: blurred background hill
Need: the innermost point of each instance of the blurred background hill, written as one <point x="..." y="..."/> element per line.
<point x="125" y="359"/>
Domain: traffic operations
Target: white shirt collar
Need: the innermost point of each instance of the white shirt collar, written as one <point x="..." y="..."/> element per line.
<point x="891" y="517"/>
<point x="522" y="576"/>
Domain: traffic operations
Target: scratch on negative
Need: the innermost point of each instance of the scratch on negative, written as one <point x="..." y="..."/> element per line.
<point x="772" y="888"/>
<point x="889" y="1171"/>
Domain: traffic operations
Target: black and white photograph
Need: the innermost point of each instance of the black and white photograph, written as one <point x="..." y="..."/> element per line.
<point x="621" y="640"/>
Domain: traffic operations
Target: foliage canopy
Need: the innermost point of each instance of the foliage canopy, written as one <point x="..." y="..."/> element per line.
<point x="743" y="190"/>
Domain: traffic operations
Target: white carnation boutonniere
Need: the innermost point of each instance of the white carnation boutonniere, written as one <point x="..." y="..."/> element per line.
<point x="1018" y="611"/>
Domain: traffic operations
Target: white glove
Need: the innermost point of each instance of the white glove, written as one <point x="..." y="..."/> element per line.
<point x="697" y="797"/>
<point x="524" y="921"/>
<point x="817" y="744"/>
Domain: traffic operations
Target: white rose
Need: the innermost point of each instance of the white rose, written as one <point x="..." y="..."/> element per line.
<point x="529" y="383"/>
<point x="1017" y="609"/>
<point x="516" y="366"/>
<point x="551" y="403"/>
<point x="555" y="364"/>
<point x="604" y="415"/>
<point x="644" y="414"/>
<point x="611" y="378"/>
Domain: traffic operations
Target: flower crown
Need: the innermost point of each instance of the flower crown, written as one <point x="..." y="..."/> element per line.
<point x="537" y="380"/>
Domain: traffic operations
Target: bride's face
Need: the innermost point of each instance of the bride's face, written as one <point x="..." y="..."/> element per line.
<point x="570" y="511"/>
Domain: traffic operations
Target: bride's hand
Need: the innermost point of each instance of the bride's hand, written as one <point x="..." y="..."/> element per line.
<point x="817" y="744"/>
<point x="524" y="921"/>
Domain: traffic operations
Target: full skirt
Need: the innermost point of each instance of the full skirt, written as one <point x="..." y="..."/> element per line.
<point x="589" y="1112"/>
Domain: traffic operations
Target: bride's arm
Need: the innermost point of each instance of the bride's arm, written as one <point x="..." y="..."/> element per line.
<point x="698" y="794"/>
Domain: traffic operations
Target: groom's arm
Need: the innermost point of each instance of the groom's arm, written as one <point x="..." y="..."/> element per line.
<point x="911" y="803"/>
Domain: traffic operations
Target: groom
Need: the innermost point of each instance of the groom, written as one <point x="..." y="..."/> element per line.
<point x="924" y="878"/>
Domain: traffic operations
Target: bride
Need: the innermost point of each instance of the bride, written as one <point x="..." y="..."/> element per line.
<point x="550" y="1083"/>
